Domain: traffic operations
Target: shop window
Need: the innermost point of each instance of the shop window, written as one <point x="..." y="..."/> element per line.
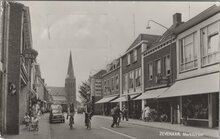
<point x="188" y="53"/>
<point x="196" y="106"/>
<point x="210" y="44"/>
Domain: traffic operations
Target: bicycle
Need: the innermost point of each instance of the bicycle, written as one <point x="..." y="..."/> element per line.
<point x="88" y="121"/>
<point x="118" y="121"/>
<point x="153" y="115"/>
<point x="71" y="121"/>
<point x="163" y="117"/>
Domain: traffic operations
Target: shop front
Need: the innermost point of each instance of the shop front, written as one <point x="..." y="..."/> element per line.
<point x="107" y="106"/>
<point x="198" y="100"/>
<point x="158" y="106"/>
<point x="134" y="106"/>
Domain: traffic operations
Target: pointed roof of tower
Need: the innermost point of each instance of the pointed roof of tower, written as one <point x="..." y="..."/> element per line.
<point x="70" y="72"/>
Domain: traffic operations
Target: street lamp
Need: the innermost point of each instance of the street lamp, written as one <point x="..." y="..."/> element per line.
<point x="148" y="24"/>
<point x="30" y="54"/>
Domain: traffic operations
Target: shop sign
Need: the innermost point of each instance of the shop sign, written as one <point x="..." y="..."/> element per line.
<point x="98" y="87"/>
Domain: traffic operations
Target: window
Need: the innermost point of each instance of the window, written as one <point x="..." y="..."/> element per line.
<point x="135" y="55"/>
<point x="167" y="65"/>
<point x="131" y="80"/>
<point x="150" y="70"/>
<point x="210" y="44"/>
<point x="196" y="106"/>
<point x="125" y="82"/>
<point x="158" y="63"/>
<point x="1" y="31"/>
<point x="111" y="84"/>
<point x="143" y="47"/>
<point x="129" y="58"/>
<point x="108" y="86"/>
<point x="138" y="77"/>
<point x="188" y="53"/>
<point x="116" y="82"/>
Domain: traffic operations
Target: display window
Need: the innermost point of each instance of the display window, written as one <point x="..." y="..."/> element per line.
<point x="196" y="106"/>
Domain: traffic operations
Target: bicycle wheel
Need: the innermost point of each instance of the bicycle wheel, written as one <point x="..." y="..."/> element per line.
<point x="88" y="124"/>
<point x="163" y="118"/>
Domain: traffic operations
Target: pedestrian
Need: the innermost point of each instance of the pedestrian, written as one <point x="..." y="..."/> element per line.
<point x="26" y="119"/>
<point x="125" y="113"/>
<point x="115" y="112"/>
<point x="146" y="113"/>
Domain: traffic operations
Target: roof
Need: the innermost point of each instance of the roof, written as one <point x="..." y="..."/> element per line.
<point x="56" y="91"/>
<point x="99" y="74"/>
<point x="148" y="37"/>
<point x="198" y="18"/>
<point x="70" y="72"/>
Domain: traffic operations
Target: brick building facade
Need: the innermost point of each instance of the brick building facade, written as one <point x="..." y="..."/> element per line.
<point x="110" y="86"/>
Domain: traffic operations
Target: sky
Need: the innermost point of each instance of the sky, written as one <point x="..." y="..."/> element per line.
<point x="95" y="32"/>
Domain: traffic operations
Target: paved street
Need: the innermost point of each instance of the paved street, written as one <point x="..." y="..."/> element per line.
<point x="101" y="130"/>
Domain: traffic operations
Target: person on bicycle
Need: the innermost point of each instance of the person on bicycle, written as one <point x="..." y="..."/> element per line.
<point x="71" y="111"/>
<point x="88" y="113"/>
<point x="116" y="115"/>
<point x="146" y="113"/>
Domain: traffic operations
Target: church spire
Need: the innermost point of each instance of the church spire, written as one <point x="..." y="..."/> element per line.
<point x="70" y="72"/>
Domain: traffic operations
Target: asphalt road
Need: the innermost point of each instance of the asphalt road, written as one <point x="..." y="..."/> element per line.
<point x="101" y="130"/>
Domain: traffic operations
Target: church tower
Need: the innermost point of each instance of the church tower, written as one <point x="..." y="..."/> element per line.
<point x="70" y="83"/>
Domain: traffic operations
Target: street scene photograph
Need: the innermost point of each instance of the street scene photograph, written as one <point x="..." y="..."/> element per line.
<point x="109" y="69"/>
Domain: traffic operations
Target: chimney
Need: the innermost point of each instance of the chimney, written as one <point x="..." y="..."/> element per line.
<point x="177" y="18"/>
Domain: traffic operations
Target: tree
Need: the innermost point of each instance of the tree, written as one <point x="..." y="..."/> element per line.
<point x="84" y="91"/>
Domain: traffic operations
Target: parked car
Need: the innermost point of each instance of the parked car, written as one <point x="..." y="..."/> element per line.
<point x="56" y="115"/>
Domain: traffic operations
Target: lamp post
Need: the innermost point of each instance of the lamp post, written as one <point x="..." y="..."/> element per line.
<point x="30" y="55"/>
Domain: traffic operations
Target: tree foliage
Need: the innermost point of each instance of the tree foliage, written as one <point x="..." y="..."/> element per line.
<point x="84" y="91"/>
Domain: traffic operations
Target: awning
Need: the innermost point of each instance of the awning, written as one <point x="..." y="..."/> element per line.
<point x="151" y="94"/>
<point x="193" y="86"/>
<point x="123" y="98"/>
<point x="120" y="99"/>
<point x="106" y="99"/>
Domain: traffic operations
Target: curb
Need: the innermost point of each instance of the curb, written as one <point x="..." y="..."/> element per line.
<point x="132" y="123"/>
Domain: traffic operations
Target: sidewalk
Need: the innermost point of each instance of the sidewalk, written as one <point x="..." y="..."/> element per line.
<point x="42" y="133"/>
<point x="174" y="127"/>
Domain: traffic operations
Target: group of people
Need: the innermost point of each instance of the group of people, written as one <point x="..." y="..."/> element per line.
<point x="116" y="115"/>
<point x="32" y="119"/>
<point x="88" y="113"/>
